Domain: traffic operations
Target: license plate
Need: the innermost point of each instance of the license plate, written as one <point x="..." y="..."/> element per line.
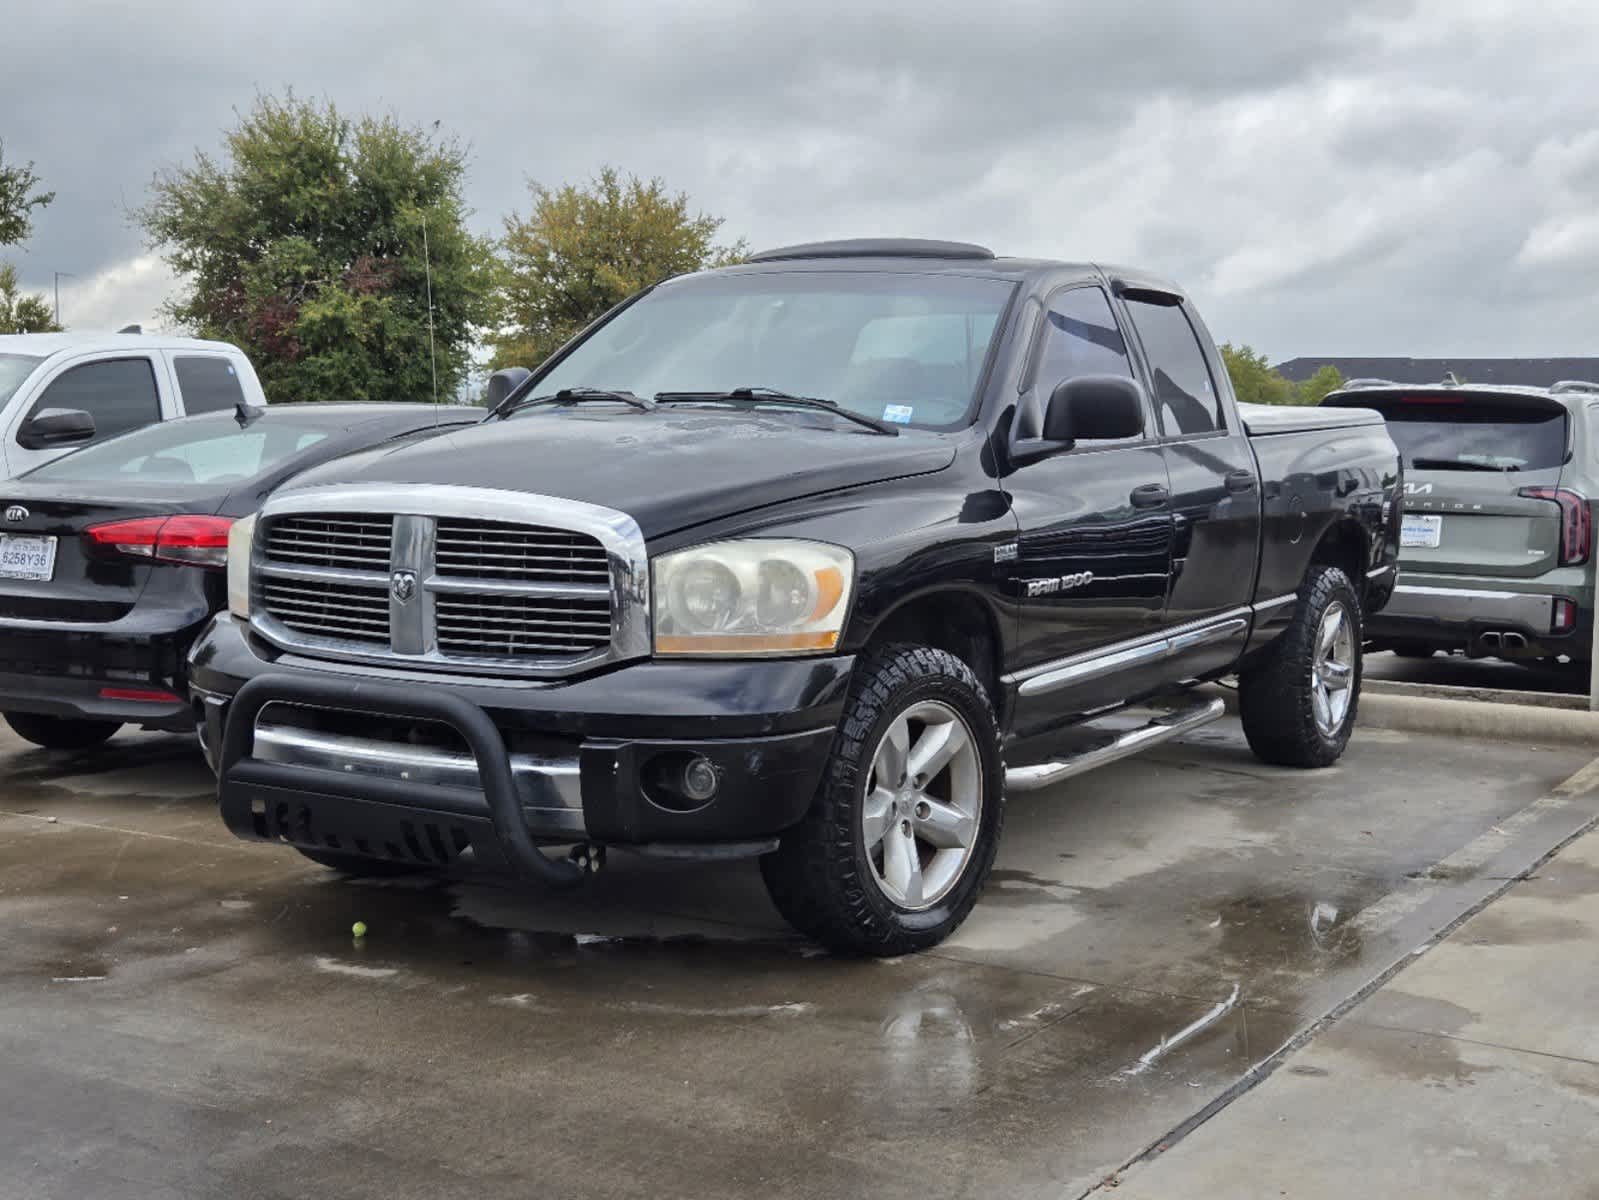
<point x="27" y="557"/>
<point x="1421" y="532"/>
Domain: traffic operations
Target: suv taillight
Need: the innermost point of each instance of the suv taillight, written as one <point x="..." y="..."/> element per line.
<point x="187" y="540"/>
<point x="1576" y="522"/>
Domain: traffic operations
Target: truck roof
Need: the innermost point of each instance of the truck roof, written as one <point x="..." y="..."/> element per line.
<point x="43" y="345"/>
<point x="966" y="258"/>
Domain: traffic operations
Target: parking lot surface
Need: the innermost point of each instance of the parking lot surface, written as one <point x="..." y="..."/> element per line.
<point x="190" y="1016"/>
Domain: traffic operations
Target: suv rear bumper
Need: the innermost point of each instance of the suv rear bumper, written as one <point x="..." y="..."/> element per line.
<point x="1476" y="615"/>
<point x="522" y="765"/>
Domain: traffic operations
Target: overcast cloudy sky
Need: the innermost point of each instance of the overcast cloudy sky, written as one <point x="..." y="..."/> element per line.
<point x="1355" y="177"/>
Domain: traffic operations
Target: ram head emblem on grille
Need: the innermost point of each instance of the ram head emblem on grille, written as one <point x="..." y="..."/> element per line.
<point x="402" y="585"/>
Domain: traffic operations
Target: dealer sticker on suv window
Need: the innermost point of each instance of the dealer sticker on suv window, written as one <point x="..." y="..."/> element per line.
<point x="900" y="414"/>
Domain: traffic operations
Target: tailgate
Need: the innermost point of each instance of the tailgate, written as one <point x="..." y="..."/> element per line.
<point x="1482" y="478"/>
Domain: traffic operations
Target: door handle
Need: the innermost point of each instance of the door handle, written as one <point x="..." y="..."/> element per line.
<point x="1150" y="495"/>
<point x="1240" y="481"/>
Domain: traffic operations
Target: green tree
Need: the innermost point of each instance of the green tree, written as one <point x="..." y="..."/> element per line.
<point x="304" y="244"/>
<point x="20" y="194"/>
<point x="1256" y="381"/>
<point x="582" y="250"/>
<point x="1313" y="390"/>
<point x="21" y="313"/>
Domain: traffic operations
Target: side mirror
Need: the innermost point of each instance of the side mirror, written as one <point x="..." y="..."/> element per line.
<point x="502" y="383"/>
<point x="1086" y="409"/>
<point x="56" y="427"/>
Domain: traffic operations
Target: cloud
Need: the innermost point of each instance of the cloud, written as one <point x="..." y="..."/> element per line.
<point x="1374" y="177"/>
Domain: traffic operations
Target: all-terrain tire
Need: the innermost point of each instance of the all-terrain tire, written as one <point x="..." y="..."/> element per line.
<point x="1275" y="693"/>
<point x="360" y="866"/>
<point x="821" y="878"/>
<point x="60" y="733"/>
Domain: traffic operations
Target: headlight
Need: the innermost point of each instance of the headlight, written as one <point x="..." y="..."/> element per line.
<point x="760" y="596"/>
<point x="241" y="538"/>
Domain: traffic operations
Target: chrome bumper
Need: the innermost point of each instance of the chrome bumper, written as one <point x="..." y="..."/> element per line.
<point x="549" y="789"/>
<point x="1476" y="606"/>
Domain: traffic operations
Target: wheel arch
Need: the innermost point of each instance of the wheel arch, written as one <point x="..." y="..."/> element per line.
<point x="950" y="619"/>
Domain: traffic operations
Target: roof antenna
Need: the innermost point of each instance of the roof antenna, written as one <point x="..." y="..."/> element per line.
<point x="433" y="362"/>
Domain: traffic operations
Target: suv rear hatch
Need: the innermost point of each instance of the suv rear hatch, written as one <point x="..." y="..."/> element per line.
<point x="1482" y="480"/>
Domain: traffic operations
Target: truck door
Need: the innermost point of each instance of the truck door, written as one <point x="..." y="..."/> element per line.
<point x="1094" y="551"/>
<point x="120" y="393"/>
<point x="1215" y="484"/>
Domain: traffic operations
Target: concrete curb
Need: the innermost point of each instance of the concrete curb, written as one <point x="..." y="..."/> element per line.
<point x="1474" y="695"/>
<point x="1483" y="720"/>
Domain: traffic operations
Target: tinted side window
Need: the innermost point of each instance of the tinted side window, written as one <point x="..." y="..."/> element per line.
<point x="120" y="395"/>
<point x="1185" y="394"/>
<point x="1080" y="338"/>
<point x="208" y="384"/>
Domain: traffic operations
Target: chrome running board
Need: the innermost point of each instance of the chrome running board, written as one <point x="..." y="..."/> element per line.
<point x="1161" y="729"/>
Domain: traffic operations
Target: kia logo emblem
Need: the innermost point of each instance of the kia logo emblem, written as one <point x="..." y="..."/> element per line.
<point x="16" y="514"/>
<point x="402" y="585"/>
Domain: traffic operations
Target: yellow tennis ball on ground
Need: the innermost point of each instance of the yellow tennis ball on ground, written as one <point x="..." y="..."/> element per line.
<point x="359" y="929"/>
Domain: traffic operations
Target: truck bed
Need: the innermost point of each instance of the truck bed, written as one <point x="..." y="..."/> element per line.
<point x="1273" y="420"/>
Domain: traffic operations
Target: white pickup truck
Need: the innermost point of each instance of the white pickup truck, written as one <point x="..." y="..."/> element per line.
<point x="59" y="391"/>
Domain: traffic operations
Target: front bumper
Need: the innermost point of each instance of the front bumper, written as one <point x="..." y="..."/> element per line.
<point x="1483" y="618"/>
<point x="406" y="767"/>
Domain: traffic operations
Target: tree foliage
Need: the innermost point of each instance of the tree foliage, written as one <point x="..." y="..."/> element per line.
<point x="21" y="313"/>
<point x="582" y="250"/>
<point x="1255" y="381"/>
<point x="303" y="244"/>
<point x="20" y="194"/>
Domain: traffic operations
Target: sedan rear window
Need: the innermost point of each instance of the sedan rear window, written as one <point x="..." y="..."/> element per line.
<point x="204" y="451"/>
<point x="1466" y="434"/>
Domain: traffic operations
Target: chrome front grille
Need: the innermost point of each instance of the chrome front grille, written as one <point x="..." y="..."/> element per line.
<point x="322" y="608"/>
<point x="488" y="549"/>
<point x="485" y="581"/>
<point x="355" y="540"/>
<point x="513" y="626"/>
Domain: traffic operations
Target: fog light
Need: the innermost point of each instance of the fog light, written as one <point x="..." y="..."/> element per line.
<point x="1565" y="615"/>
<point x="699" y="779"/>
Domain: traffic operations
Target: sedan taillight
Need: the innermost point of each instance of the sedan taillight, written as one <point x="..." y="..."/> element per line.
<point x="186" y="540"/>
<point x="1576" y="521"/>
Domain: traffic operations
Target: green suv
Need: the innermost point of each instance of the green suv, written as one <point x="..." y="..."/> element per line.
<point x="1496" y="542"/>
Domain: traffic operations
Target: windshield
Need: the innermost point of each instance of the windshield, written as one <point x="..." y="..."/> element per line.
<point x="205" y="450"/>
<point x="1477" y="436"/>
<point x="906" y="348"/>
<point x="14" y="368"/>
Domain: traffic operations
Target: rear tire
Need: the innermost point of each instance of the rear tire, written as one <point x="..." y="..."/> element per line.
<point x="60" y="733"/>
<point x="897" y="844"/>
<point x="1298" y="702"/>
<point x="359" y="866"/>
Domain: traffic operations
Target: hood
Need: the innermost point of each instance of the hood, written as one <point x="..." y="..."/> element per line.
<point x="668" y="469"/>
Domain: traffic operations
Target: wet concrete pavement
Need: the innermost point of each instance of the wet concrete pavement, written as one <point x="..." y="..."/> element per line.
<point x="189" y="1016"/>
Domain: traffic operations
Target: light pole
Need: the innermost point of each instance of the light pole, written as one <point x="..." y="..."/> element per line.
<point x="60" y="275"/>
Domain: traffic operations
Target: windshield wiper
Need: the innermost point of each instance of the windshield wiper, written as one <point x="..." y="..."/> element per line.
<point x="578" y="395"/>
<point x="1456" y="464"/>
<point x="749" y="397"/>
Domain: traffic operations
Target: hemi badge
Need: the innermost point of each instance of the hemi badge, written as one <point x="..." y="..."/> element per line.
<point x="1006" y="552"/>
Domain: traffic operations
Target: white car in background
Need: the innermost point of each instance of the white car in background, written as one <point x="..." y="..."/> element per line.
<point x="59" y="391"/>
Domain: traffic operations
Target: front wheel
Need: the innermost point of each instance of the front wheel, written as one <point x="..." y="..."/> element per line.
<point x="60" y="733"/>
<point x="1298" y="701"/>
<point x="896" y="846"/>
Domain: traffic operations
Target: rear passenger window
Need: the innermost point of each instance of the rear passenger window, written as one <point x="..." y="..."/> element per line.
<point x="208" y="384"/>
<point x="1185" y="394"/>
<point x="120" y="395"/>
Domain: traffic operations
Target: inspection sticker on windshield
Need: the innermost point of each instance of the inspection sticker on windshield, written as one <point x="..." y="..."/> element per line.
<point x="900" y="414"/>
<point x="1421" y="532"/>
<point x="27" y="557"/>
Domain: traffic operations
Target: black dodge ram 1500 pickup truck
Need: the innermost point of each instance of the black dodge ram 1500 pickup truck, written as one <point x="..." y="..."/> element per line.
<point x="812" y="558"/>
